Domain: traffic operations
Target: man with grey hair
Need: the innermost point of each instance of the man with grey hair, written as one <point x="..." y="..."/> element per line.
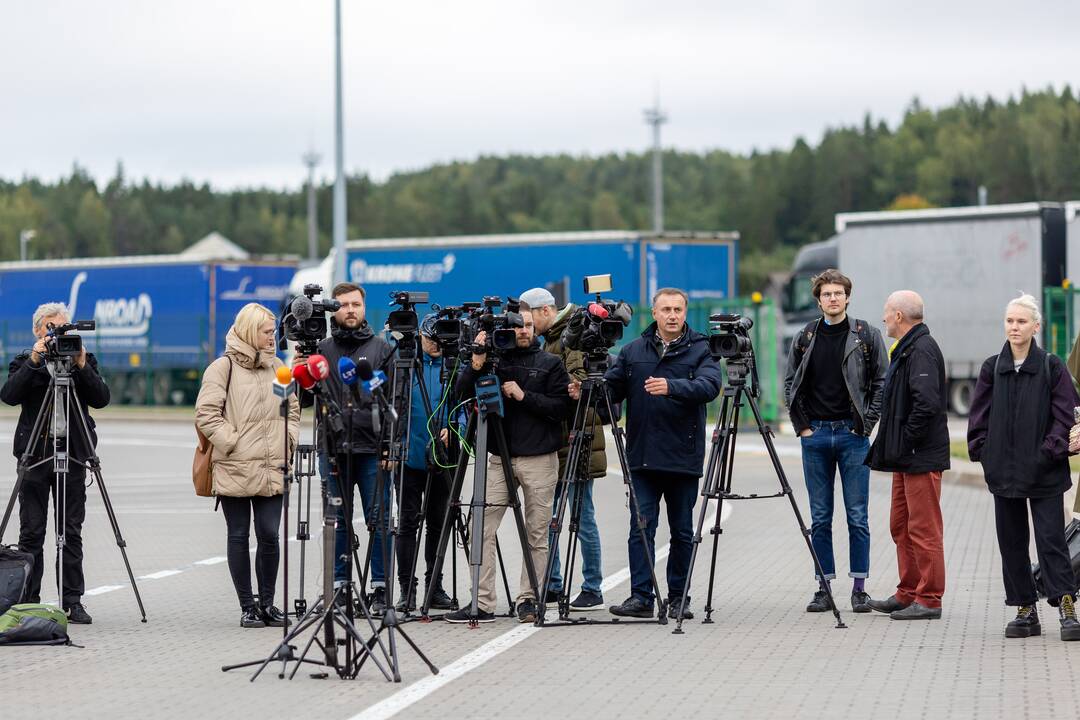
<point x="29" y="378"/>
<point x="549" y="323"/>
<point x="913" y="444"/>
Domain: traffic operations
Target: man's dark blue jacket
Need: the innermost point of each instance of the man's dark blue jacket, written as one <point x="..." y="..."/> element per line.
<point x="666" y="433"/>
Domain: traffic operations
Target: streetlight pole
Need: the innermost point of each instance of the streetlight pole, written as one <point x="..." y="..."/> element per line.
<point x="339" y="274"/>
<point x="311" y="159"/>
<point x="656" y="117"/>
<point x="24" y="237"/>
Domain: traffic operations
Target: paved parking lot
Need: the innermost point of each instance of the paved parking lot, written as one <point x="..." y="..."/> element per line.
<point x="763" y="657"/>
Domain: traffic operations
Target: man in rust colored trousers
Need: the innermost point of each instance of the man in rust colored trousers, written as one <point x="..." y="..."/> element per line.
<point x="913" y="444"/>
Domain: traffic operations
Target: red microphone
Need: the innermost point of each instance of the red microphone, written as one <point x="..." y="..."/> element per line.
<point x="302" y="376"/>
<point x="318" y="367"/>
<point x="598" y="310"/>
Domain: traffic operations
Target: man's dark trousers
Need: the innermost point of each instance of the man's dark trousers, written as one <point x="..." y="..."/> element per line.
<point x="680" y="493"/>
<point x="33" y="521"/>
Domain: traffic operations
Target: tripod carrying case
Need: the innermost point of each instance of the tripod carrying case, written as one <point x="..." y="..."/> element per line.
<point x="15" y="568"/>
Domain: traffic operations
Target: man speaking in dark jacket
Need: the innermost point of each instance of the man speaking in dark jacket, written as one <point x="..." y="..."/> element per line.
<point x="535" y="403"/>
<point x="352" y="337"/>
<point x="666" y="377"/>
<point x="913" y="444"/>
<point x="29" y="377"/>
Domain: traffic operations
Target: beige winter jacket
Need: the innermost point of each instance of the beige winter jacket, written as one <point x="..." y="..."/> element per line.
<point x="248" y="441"/>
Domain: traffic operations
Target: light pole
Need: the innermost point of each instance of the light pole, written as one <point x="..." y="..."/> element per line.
<point x="24" y="237"/>
<point x="656" y="117"/>
<point x="339" y="156"/>
<point x="311" y="159"/>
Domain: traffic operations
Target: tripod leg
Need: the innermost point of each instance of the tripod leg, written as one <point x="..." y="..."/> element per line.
<point x="723" y="487"/>
<point x="766" y="435"/>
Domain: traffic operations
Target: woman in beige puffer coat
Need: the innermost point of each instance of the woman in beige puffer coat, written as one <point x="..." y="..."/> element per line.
<point x="239" y="414"/>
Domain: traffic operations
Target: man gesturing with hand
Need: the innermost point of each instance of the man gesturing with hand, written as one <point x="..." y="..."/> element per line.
<point x="666" y="378"/>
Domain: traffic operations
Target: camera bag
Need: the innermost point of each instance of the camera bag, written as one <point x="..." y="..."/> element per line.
<point x="34" y="624"/>
<point x="202" y="465"/>
<point x="15" y="568"/>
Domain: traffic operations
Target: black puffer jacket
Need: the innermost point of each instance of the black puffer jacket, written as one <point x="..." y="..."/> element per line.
<point x="534" y="424"/>
<point x="361" y="344"/>
<point x="913" y="434"/>
<point x="1019" y="424"/>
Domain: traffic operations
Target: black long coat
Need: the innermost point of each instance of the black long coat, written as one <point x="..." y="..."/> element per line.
<point x="1019" y="424"/>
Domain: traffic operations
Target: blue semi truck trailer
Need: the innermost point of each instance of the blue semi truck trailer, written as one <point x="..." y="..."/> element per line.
<point x="160" y="318"/>
<point x="464" y="268"/>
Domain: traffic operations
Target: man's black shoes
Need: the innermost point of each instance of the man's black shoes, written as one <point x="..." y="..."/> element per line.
<point x="77" y="614"/>
<point x="888" y="605"/>
<point x="860" y="602"/>
<point x="250" y="617"/>
<point x="587" y="600"/>
<point x="820" y="603"/>
<point x="462" y="616"/>
<point x="673" y="609"/>
<point x="632" y="607"/>
<point x="378" y="601"/>
<point x="1025" y="624"/>
<point x="916" y="611"/>
<point x="440" y="600"/>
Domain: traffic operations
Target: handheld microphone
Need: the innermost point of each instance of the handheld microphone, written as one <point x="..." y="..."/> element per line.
<point x="347" y="370"/>
<point x="284" y="375"/>
<point x="303" y="377"/>
<point x="301" y="308"/>
<point x="372" y="379"/>
<point x="318" y="367"/>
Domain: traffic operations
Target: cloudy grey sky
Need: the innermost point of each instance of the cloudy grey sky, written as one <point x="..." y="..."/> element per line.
<point x="233" y="91"/>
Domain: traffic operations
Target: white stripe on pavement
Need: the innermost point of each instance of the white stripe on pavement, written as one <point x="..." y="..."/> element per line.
<point x="420" y="689"/>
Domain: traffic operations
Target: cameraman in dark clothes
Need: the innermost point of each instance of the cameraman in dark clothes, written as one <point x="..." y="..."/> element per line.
<point x="29" y="377"/>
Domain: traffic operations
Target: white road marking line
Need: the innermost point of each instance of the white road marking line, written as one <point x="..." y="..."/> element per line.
<point x="104" y="589"/>
<point x="211" y="561"/>
<point x="420" y="689"/>
<point x="160" y="574"/>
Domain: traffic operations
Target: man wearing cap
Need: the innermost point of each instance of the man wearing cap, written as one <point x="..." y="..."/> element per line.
<point x="549" y="323"/>
<point x="423" y="474"/>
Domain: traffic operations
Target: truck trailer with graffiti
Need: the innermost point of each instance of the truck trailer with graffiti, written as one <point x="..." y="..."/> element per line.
<point x="160" y="318"/>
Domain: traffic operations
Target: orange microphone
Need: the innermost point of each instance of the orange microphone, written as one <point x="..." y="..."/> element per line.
<point x="284" y="375"/>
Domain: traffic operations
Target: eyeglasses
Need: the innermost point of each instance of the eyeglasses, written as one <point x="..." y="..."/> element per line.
<point x="837" y="294"/>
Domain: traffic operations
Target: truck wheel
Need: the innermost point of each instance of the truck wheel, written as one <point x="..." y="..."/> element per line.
<point x="960" y="392"/>
<point x="162" y="389"/>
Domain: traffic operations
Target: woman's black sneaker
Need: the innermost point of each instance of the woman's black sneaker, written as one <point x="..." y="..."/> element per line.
<point x="273" y="617"/>
<point x="77" y="614"/>
<point x="462" y="616"/>
<point x="632" y="607"/>
<point x="251" y="618"/>
<point x="587" y="600"/>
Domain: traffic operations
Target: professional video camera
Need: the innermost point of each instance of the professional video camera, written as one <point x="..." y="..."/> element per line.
<point x="595" y="328"/>
<point x="498" y="326"/>
<point x="62" y="343"/>
<point x="452" y="328"/>
<point x="730" y="341"/>
<point x="305" y="321"/>
<point x="405" y="320"/>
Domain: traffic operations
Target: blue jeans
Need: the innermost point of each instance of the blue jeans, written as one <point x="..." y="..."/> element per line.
<point x="834" y="444"/>
<point x="363" y="476"/>
<point x="680" y="492"/>
<point x="588" y="541"/>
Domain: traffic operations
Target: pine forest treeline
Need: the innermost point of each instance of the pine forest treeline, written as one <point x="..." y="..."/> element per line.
<point x="1026" y="148"/>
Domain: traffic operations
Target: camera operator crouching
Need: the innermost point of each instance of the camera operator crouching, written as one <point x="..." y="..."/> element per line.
<point x="421" y="471"/>
<point x="534" y="387"/>
<point x="667" y="377"/>
<point x="29" y="377"/>
<point x="352" y="337"/>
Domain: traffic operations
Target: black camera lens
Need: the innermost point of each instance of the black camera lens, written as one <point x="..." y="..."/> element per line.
<point x="504" y="339"/>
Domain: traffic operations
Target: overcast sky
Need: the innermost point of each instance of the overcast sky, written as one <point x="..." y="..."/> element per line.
<point x="234" y="91"/>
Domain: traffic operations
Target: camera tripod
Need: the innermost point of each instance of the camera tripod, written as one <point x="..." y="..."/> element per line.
<point x="717" y="485"/>
<point x="487" y="413"/>
<point x="595" y="398"/>
<point x="335" y="608"/>
<point x="61" y="403"/>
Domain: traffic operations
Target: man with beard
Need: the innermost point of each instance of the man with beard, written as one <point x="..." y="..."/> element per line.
<point x="352" y="337"/>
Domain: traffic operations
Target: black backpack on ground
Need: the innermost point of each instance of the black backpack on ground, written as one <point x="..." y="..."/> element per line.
<point x="15" y="568"/>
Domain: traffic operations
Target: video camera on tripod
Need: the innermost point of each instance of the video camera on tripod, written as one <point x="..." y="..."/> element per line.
<point x="61" y="343"/>
<point x="595" y="328"/>
<point x="305" y="321"/>
<point x="730" y="341"/>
